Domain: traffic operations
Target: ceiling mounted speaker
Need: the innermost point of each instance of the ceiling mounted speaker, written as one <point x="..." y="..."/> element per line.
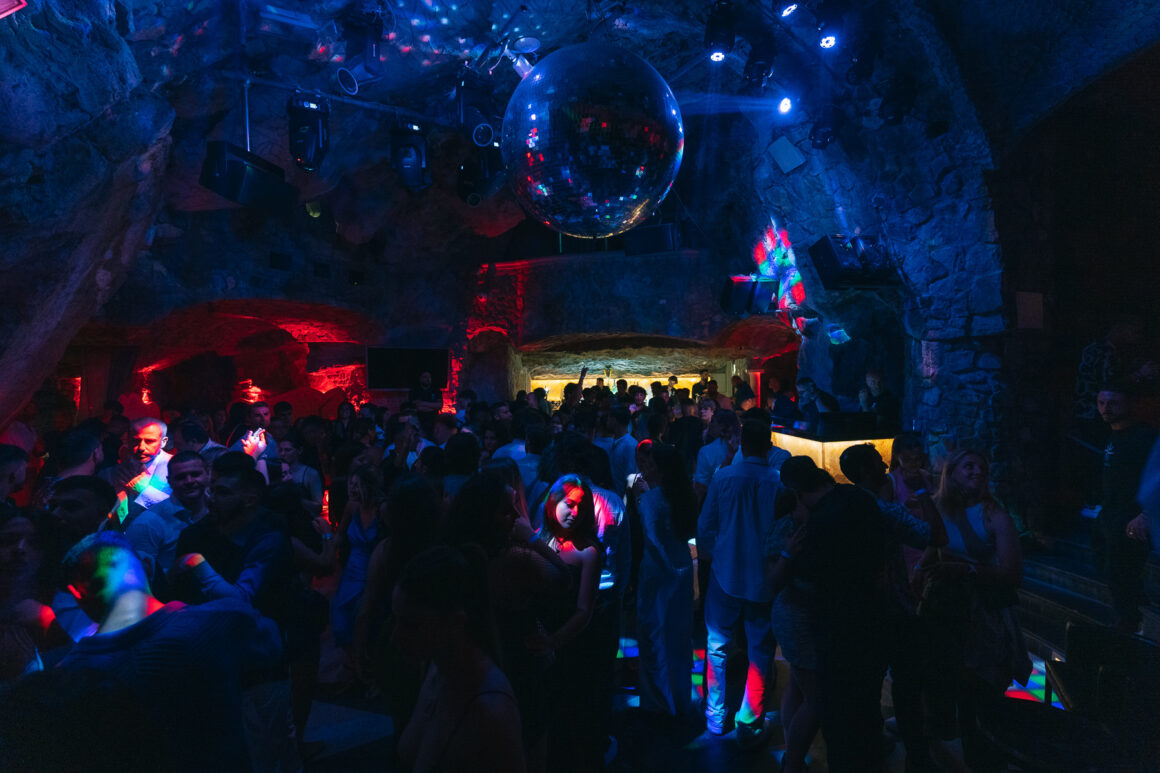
<point x="245" y="178"/>
<point x="786" y="154"/>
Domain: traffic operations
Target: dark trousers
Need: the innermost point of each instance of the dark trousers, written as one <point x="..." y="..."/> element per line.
<point x="907" y="656"/>
<point x="1120" y="561"/>
<point x="851" y="713"/>
<point x="580" y="693"/>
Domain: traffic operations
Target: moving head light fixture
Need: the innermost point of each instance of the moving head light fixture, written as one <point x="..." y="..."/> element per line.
<point x="309" y="117"/>
<point x="409" y="156"/>
<point x="720" y="30"/>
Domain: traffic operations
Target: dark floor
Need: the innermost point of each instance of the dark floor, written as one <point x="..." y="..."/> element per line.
<point x="355" y="734"/>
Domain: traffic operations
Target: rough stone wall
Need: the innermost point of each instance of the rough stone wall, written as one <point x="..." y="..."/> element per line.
<point x="83" y="147"/>
<point x="600" y="294"/>
<point x="921" y="184"/>
<point x="1023" y="58"/>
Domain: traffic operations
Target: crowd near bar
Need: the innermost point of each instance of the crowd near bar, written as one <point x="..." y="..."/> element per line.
<point x="616" y="385"/>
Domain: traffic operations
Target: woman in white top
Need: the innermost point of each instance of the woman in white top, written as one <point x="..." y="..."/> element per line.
<point x="969" y="604"/>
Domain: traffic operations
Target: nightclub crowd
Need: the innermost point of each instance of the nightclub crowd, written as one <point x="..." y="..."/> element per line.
<point x="167" y="586"/>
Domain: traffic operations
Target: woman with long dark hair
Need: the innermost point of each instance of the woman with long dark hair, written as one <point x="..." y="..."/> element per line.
<point x="466" y="717"/>
<point x="664" y="602"/>
<point x="575" y="741"/>
<point x="527" y="578"/>
<point x="358" y="533"/>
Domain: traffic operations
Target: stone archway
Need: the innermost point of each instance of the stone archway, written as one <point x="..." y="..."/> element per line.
<point x="230" y="349"/>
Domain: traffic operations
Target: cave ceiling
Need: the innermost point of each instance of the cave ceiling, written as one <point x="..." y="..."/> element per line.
<point x="196" y="55"/>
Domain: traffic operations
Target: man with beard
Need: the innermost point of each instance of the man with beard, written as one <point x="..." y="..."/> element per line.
<point x="142" y="479"/>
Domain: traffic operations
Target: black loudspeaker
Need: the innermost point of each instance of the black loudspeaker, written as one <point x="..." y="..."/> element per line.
<point x="847" y="262"/>
<point x="245" y="178"/>
<point x="749" y="295"/>
<point x="646" y="239"/>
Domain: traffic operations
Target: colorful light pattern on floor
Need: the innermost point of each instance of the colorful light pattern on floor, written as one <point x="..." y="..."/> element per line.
<point x="1034" y="690"/>
<point x="1036" y="687"/>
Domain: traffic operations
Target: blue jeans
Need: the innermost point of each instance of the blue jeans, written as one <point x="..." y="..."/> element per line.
<point x="721" y="614"/>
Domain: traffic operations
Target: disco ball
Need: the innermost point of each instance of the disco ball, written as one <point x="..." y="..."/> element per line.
<point x="592" y="140"/>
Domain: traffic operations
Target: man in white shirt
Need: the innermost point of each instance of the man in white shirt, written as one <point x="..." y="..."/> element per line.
<point x="142" y="480"/>
<point x="736" y="519"/>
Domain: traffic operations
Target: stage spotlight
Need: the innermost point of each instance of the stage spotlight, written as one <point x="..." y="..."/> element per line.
<point x="720" y="30"/>
<point x="825" y="129"/>
<point x="481" y="176"/>
<point x="309" y="116"/>
<point x="474" y="106"/>
<point x="787" y="10"/>
<point x="362" y="31"/>
<point x="409" y="157"/>
<point x="831" y="17"/>
<point x="758" y="68"/>
<point x="785" y="105"/>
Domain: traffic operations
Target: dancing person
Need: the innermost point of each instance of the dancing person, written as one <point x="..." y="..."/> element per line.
<point x="969" y="606"/>
<point x="466" y="717"/>
<point x="664" y="606"/>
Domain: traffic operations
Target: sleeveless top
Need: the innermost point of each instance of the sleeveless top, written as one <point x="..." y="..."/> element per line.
<point x="974" y="542"/>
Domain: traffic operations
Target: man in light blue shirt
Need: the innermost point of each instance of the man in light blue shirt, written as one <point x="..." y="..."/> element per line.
<point x="735" y="520"/>
<point x="622" y="449"/>
<point x="153" y="534"/>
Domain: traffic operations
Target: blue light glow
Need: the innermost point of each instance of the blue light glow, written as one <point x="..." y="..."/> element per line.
<point x="785" y="105"/>
<point x="788" y="10"/>
<point x="828" y="41"/>
<point x="717" y="56"/>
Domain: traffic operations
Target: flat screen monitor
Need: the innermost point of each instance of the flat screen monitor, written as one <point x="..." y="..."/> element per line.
<point x="400" y="368"/>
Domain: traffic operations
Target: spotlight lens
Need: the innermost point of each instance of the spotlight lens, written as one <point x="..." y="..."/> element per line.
<point x="788" y="10"/>
<point x="828" y="41"/>
<point x="785" y="105"/>
<point x="717" y="56"/>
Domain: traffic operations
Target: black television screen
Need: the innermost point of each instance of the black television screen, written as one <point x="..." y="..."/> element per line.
<point x="400" y="368"/>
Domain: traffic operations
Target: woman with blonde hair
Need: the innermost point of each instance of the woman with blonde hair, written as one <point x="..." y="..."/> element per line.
<point x="969" y="604"/>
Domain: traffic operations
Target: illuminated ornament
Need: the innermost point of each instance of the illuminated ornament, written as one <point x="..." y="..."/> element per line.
<point x="592" y="140"/>
<point x="788" y="10"/>
<point x="774" y="257"/>
<point x="785" y="105"/>
<point x="828" y="41"/>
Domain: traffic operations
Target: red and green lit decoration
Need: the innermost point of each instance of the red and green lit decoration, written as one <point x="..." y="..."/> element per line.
<point x="774" y="257"/>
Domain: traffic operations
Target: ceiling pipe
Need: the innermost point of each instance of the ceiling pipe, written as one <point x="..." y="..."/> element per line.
<point x="372" y="106"/>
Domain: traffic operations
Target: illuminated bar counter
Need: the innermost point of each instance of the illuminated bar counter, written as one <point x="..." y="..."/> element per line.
<point x="825" y="453"/>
